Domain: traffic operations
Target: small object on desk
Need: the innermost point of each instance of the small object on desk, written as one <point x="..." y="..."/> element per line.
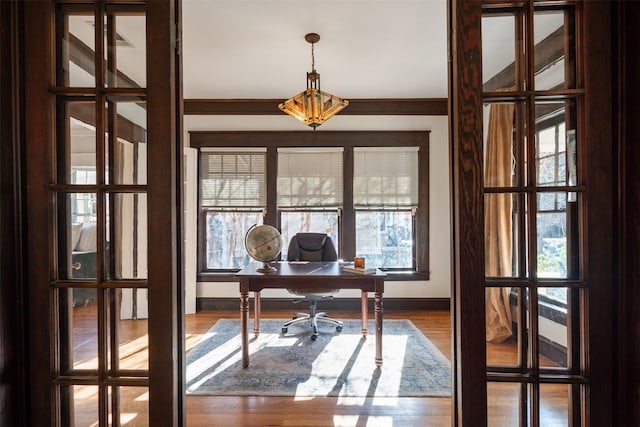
<point x="358" y="262"/>
<point x="353" y="269"/>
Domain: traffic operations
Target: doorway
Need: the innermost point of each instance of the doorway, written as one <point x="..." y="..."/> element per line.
<point x="283" y="58"/>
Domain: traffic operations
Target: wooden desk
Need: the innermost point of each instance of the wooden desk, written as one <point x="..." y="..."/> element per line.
<point x="320" y="275"/>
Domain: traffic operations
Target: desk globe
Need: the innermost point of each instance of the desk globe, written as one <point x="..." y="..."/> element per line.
<point x="263" y="243"/>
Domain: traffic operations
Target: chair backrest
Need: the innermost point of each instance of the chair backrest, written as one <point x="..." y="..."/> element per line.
<point x="311" y="247"/>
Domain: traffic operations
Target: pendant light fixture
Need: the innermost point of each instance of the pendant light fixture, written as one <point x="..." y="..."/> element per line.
<point x="313" y="107"/>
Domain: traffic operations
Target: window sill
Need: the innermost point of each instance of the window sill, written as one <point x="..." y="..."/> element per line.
<point x="547" y="308"/>
<point x="217" y="277"/>
<point x="552" y="311"/>
<point x="399" y="276"/>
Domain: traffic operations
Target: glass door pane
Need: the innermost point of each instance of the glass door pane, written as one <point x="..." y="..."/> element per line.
<point x="532" y="211"/>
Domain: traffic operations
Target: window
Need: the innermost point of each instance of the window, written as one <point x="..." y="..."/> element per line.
<point x="310" y="191"/>
<point x="367" y="190"/>
<point x="232" y="199"/>
<point x="385" y="192"/>
<point x="552" y="170"/>
<point x="83" y="205"/>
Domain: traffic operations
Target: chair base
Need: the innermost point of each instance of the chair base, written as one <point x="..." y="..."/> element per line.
<point x="313" y="318"/>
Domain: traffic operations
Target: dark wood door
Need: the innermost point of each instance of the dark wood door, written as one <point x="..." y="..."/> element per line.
<point x="104" y="183"/>
<point x="532" y="218"/>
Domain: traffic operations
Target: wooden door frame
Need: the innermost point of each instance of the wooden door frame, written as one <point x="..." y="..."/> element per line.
<point x="626" y="16"/>
<point x="164" y="189"/>
<point x="13" y="332"/>
<point x="27" y="128"/>
<point x="469" y="398"/>
<point x="600" y="180"/>
<point x="38" y="165"/>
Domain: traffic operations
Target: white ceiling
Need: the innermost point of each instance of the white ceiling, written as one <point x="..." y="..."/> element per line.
<point x="368" y="48"/>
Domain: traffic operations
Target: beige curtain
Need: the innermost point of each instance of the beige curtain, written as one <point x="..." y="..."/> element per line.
<point x="497" y="219"/>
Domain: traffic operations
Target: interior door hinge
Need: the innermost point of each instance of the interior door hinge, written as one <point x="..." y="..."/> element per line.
<point x="177" y="38"/>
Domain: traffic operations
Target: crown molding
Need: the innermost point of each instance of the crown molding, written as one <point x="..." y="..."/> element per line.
<point x="357" y="107"/>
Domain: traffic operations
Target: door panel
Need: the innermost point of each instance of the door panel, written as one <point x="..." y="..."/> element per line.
<point x="106" y="295"/>
<point x="546" y="265"/>
<point x="544" y="130"/>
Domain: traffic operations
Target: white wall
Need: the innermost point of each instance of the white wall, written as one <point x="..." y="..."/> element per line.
<point x="439" y="285"/>
<point x="190" y="162"/>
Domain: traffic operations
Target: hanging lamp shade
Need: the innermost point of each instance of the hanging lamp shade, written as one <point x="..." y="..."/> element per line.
<point x="313" y="107"/>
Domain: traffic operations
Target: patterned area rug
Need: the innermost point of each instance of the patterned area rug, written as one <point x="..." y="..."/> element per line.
<point x="336" y="364"/>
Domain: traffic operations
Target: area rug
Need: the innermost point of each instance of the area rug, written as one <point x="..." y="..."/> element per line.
<point x="336" y="364"/>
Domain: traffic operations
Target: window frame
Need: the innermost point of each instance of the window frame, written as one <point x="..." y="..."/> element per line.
<point x="272" y="140"/>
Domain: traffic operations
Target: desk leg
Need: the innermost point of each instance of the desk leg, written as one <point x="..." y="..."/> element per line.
<point x="244" y="320"/>
<point x="365" y="313"/>
<point x="256" y="314"/>
<point x="378" y="314"/>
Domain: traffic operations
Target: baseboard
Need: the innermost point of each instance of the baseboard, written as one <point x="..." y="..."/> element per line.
<point x="553" y="351"/>
<point x="548" y="349"/>
<point x="215" y="304"/>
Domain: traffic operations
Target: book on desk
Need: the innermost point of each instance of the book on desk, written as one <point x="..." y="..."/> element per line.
<point x="359" y="270"/>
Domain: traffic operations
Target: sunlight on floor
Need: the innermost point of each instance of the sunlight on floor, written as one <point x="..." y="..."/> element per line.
<point x="125" y="419"/>
<point x="134" y="405"/>
<point x="132" y="355"/>
<point x="144" y="397"/>
<point x="358" y="369"/>
<point x="355" y="420"/>
<point x="371" y="401"/>
<point x="223" y="352"/>
<point x="191" y="340"/>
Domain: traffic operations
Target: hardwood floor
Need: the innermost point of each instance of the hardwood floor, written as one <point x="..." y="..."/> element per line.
<point x="263" y="411"/>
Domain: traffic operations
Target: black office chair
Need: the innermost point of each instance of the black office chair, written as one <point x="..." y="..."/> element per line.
<point x="312" y="247"/>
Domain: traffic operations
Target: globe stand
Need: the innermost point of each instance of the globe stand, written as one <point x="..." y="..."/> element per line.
<point x="266" y="268"/>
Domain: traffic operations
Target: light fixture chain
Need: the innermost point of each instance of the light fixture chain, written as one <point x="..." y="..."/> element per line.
<point x="313" y="59"/>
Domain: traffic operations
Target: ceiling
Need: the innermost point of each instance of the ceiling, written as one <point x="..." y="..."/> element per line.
<point x="368" y="48"/>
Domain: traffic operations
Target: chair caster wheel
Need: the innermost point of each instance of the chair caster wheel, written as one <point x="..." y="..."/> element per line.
<point x="338" y="328"/>
<point x="294" y="317"/>
<point x="314" y="337"/>
<point x="284" y="330"/>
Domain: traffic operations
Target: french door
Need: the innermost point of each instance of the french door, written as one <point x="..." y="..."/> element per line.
<point x="531" y="215"/>
<point x="102" y="151"/>
<point x="104" y="183"/>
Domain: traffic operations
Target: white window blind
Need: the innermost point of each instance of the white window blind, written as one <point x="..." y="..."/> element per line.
<point x="233" y="179"/>
<point x="310" y="177"/>
<point x="385" y="177"/>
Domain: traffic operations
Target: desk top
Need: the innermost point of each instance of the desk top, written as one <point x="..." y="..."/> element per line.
<point x="306" y="269"/>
